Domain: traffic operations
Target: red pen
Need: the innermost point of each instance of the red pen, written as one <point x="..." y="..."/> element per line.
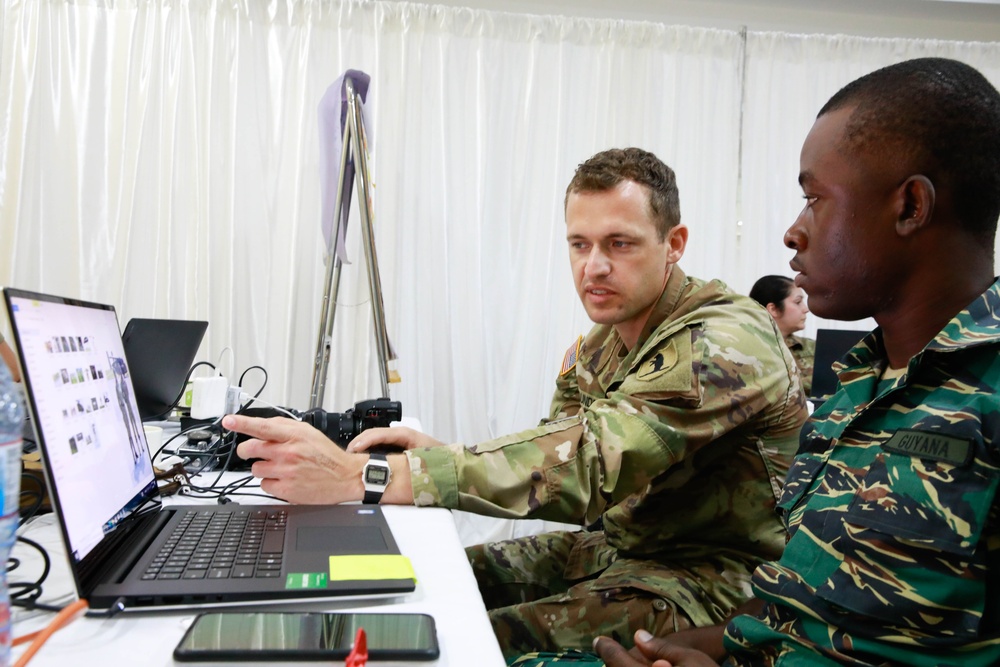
<point x="358" y="657"/>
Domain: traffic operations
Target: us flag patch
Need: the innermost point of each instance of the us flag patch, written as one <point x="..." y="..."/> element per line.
<point x="572" y="354"/>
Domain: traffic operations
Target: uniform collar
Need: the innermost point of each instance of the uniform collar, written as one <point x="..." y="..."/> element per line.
<point x="978" y="324"/>
<point x="792" y="342"/>
<point x="666" y="305"/>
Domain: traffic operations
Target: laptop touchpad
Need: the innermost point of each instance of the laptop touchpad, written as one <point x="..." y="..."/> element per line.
<point x="340" y="539"/>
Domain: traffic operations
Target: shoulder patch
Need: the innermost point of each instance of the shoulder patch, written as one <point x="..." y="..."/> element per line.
<point x="664" y="360"/>
<point x="572" y="354"/>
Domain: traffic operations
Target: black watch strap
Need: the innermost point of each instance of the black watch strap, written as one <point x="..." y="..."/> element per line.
<point x="374" y="496"/>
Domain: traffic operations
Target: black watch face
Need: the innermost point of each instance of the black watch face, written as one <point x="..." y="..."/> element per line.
<point x="378" y="475"/>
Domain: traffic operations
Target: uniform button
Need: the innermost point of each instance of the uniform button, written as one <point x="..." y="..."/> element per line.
<point x="660" y="604"/>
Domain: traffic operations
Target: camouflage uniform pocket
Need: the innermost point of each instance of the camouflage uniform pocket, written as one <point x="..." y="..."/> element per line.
<point x="668" y="595"/>
<point x="911" y="549"/>
<point x="799" y="480"/>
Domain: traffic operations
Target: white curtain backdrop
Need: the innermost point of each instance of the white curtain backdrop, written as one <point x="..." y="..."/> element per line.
<point x="163" y="156"/>
<point x="788" y="79"/>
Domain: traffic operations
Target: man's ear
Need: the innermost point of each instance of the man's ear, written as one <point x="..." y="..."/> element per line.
<point x="916" y="204"/>
<point x="677" y="238"/>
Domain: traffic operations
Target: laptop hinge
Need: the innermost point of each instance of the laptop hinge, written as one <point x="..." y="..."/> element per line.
<point x="129" y="547"/>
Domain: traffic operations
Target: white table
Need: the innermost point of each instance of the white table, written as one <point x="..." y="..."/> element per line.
<point x="446" y="590"/>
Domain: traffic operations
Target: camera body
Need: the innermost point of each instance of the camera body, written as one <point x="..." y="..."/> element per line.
<point x="342" y="427"/>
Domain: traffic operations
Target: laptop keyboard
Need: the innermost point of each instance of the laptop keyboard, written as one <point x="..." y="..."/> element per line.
<point x="222" y="545"/>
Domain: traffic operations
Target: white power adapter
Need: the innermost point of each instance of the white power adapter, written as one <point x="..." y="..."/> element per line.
<point x="234" y="400"/>
<point x="208" y="397"/>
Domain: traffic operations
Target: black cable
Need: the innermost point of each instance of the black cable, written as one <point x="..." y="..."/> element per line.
<point x="215" y="453"/>
<point x="262" y="385"/>
<point x="116" y="608"/>
<point x="39" y="493"/>
<point x="32" y="605"/>
<point x="23" y="592"/>
<point x="233" y="489"/>
<point x="39" y="498"/>
<point x="256" y="495"/>
<point x="165" y="413"/>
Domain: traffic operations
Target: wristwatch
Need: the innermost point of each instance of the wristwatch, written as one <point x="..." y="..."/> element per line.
<point x="376" y="476"/>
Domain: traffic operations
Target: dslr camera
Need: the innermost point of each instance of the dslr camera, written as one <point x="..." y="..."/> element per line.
<point x="342" y="427"/>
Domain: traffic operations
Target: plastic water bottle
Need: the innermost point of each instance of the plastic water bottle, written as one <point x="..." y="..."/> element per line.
<point x="11" y="423"/>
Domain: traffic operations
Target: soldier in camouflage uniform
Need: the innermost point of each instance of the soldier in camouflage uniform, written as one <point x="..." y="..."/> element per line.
<point x="677" y="439"/>
<point x="674" y="422"/>
<point x="787" y="305"/>
<point x="891" y="503"/>
<point x="701" y="414"/>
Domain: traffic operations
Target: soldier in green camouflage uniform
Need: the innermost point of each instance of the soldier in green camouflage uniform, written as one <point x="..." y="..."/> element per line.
<point x="891" y="503"/>
<point x="787" y="305"/>
<point x="679" y="443"/>
<point x="674" y="422"/>
<point x="921" y="454"/>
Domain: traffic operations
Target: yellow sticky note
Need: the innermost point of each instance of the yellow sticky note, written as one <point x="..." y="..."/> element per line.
<point x="367" y="568"/>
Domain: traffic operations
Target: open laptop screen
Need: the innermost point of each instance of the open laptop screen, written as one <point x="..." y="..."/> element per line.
<point x="85" y="414"/>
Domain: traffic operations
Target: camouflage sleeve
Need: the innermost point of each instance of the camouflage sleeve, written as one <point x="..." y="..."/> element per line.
<point x="546" y="472"/>
<point x="805" y="358"/>
<point x="566" y="400"/>
<point x="711" y="379"/>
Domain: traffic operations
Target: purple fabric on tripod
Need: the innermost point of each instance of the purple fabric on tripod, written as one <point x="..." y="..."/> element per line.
<point x="332" y="121"/>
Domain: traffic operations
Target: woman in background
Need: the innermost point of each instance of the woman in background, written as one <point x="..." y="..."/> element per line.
<point x="787" y="305"/>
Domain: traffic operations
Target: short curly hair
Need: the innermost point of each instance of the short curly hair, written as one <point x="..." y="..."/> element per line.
<point x="941" y="118"/>
<point x="607" y="169"/>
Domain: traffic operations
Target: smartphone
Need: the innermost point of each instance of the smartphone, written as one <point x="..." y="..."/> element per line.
<point x="246" y="636"/>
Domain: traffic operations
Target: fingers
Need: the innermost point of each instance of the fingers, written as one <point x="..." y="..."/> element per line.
<point x="266" y="434"/>
<point x="706" y="639"/>
<point x="272" y="428"/>
<point x="662" y="652"/>
<point x="395" y="436"/>
<point x="615" y="655"/>
<point x="250" y="449"/>
<point x="650" y="646"/>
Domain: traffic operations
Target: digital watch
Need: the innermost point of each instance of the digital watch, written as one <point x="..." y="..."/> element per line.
<point x="376" y="476"/>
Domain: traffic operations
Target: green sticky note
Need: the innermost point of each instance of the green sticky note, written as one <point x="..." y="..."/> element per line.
<point x="306" y="580"/>
<point x="368" y="568"/>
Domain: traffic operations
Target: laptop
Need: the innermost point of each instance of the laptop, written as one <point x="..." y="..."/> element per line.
<point x="159" y="354"/>
<point x="100" y="479"/>
<point x="831" y="346"/>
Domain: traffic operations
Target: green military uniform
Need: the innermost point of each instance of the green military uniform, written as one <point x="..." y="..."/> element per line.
<point x="804" y="351"/>
<point x="679" y="444"/>
<point x="891" y="503"/>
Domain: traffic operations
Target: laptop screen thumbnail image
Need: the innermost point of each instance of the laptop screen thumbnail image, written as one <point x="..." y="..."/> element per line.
<point x="85" y="413"/>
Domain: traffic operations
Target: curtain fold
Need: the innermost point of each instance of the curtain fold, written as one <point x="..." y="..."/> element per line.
<point x="163" y="156"/>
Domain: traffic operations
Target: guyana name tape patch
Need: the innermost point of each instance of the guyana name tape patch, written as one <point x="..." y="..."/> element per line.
<point x="305" y="580"/>
<point x="370" y="568"/>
